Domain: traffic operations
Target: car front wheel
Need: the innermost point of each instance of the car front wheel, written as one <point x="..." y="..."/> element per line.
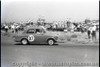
<point x="51" y="42"/>
<point x="24" y="41"/>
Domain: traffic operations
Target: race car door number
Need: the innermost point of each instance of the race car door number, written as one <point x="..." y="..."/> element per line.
<point x="31" y="38"/>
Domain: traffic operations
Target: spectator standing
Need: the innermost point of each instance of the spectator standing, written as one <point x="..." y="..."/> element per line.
<point x="72" y="28"/>
<point x="16" y="29"/>
<point x="93" y="30"/>
<point x="6" y="28"/>
<point x="13" y="28"/>
<point x="89" y="32"/>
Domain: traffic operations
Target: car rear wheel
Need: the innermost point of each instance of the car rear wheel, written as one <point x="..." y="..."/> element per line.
<point x="24" y="41"/>
<point x="51" y="42"/>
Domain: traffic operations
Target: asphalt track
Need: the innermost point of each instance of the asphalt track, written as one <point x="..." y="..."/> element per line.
<point x="17" y="55"/>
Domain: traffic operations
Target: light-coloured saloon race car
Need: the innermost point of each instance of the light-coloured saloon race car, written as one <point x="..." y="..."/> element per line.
<point x="36" y="35"/>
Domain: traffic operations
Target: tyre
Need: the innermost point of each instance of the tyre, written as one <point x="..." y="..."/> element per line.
<point x="24" y="41"/>
<point x="51" y="42"/>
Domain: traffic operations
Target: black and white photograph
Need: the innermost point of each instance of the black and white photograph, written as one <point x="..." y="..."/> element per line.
<point x="50" y="33"/>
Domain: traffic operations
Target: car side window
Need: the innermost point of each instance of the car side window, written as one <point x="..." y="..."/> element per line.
<point x="38" y="31"/>
<point x="30" y="31"/>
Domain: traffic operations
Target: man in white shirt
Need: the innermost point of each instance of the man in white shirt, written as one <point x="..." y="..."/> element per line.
<point x="6" y="28"/>
<point x="12" y="28"/>
<point x="93" y="30"/>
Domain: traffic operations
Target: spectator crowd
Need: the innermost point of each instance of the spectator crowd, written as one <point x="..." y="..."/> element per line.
<point x="90" y="27"/>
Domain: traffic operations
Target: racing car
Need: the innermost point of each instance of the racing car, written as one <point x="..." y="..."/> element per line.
<point x="36" y="35"/>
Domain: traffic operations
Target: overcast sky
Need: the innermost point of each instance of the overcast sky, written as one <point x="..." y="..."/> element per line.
<point x="51" y="10"/>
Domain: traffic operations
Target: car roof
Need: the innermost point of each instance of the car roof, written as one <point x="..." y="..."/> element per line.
<point x="27" y="28"/>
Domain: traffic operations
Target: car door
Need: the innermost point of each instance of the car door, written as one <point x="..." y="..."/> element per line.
<point x="31" y="36"/>
<point x="40" y="36"/>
